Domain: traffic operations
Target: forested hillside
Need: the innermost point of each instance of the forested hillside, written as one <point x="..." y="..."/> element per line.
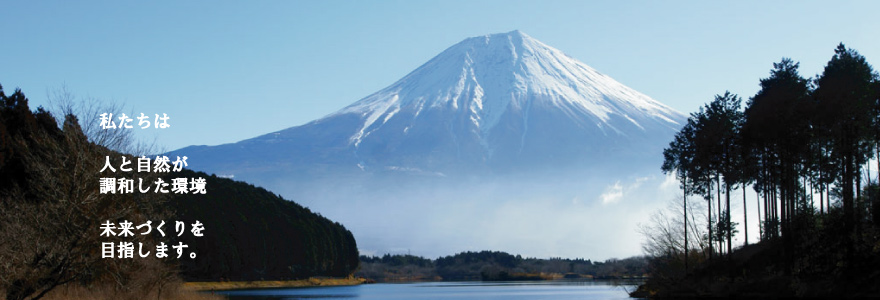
<point x="53" y="207"/>
<point x="805" y="147"/>
<point x="253" y="234"/>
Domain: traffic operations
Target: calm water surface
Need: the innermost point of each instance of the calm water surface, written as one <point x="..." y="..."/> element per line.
<point x="449" y="290"/>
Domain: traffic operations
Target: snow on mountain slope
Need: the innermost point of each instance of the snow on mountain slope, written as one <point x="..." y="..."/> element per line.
<point x="485" y="76"/>
<point x="490" y="103"/>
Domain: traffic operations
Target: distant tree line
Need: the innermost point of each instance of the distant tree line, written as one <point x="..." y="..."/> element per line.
<point x="804" y="146"/>
<point x="398" y="260"/>
<point x="495" y="265"/>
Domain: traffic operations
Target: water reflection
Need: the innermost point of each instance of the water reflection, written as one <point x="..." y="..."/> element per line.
<point x="450" y="290"/>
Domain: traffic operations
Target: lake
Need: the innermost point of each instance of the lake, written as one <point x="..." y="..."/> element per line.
<point x="563" y="290"/>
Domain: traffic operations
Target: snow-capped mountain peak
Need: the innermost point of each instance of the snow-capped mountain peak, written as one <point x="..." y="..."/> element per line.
<point x="484" y="77"/>
<point x="490" y="103"/>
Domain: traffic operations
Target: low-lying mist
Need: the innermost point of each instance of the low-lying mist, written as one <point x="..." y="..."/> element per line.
<point x="563" y="214"/>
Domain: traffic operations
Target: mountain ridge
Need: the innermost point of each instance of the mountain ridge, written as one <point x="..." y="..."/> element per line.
<point x="486" y="103"/>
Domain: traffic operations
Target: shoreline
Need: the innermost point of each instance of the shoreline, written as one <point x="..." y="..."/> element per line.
<point x="203" y="286"/>
<point x="206" y="286"/>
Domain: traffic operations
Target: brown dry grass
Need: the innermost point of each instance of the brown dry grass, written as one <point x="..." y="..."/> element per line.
<point x="233" y="285"/>
<point x="77" y="292"/>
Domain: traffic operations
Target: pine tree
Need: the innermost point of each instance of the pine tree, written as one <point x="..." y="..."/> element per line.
<point x="844" y="93"/>
<point x="721" y="130"/>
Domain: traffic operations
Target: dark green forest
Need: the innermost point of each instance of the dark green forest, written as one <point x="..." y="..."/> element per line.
<point x="799" y="151"/>
<point x="253" y="234"/>
<point x="51" y="212"/>
<point x="495" y="266"/>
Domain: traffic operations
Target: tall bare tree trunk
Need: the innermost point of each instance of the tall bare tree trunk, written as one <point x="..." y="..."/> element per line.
<point x="760" y="228"/>
<point x="685" y="226"/>
<point x="729" y="223"/>
<point x="709" y="215"/>
<point x="718" y="183"/>
<point x="745" y="217"/>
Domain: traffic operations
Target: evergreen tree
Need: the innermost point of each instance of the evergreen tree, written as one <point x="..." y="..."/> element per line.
<point x="845" y="97"/>
<point x="777" y="126"/>
<point x="721" y="129"/>
<point x="679" y="158"/>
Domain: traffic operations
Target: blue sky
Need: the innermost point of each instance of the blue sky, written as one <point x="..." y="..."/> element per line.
<point x="226" y="71"/>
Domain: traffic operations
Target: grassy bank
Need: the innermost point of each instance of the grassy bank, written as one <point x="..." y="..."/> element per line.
<point x="112" y="292"/>
<point x="187" y="290"/>
<point x="236" y="285"/>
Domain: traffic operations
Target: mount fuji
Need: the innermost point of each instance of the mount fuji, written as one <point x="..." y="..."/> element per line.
<point x="475" y="122"/>
<point x="493" y="103"/>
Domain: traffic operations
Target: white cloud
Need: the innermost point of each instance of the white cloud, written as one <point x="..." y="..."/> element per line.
<point x="639" y="182"/>
<point x="612" y="193"/>
<point x="615" y="192"/>
<point x="670" y="183"/>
